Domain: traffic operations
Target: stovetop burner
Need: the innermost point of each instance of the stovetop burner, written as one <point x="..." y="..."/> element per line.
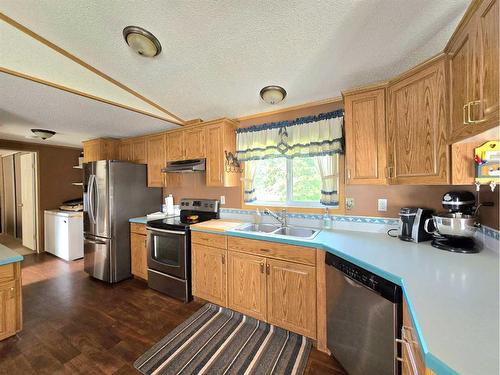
<point x="459" y="245"/>
<point x="192" y="211"/>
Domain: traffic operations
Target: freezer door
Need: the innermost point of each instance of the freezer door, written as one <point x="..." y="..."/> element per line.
<point x="99" y="201"/>
<point x="97" y="256"/>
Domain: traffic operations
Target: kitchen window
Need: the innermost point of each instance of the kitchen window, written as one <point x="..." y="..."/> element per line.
<point x="288" y="181"/>
<point x="292" y="163"/>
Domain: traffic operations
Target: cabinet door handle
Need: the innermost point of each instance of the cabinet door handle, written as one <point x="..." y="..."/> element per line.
<point x="475" y="102"/>
<point x="463" y="114"/>
<point x="389" y="172"/>
<point x="146" y="243"/>
<point x="268" y="269"/>
<point x="11" y="293"/>
<point x="349" y="174"/>
<point x="262" y="268"/>
<point x="223" y="259"/>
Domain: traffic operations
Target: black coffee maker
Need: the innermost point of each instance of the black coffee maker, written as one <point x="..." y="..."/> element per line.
<point x="411" y="224"/>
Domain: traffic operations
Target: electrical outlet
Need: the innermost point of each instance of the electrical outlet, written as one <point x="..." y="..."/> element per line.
<point x="382" y="205"/>
<point x="349" y="203"/>
<point x="222" y="199"/>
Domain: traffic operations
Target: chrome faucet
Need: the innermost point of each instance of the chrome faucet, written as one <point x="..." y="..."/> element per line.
<point x="282" y="219"/>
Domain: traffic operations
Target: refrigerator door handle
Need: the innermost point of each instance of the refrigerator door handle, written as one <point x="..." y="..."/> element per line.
<point x="97" y="198"/>
<point x="97" y="242"/>
<point x="91" y="198"/>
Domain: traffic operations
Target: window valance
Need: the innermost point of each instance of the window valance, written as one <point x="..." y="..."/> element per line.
<point x="305" y="136"/>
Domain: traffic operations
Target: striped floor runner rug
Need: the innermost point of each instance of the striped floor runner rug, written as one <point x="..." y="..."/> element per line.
<point x="216" y="340"/>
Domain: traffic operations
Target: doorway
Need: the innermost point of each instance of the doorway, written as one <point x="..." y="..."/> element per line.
<point x="19" y="205"/>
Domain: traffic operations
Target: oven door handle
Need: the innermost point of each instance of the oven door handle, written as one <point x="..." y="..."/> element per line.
<point x="165" y="231"/>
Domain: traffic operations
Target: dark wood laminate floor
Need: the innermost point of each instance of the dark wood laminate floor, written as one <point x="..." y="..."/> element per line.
<point x="74" y="324"/>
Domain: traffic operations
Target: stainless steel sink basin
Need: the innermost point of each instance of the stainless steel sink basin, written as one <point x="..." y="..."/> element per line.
<point x="266" y="228"/>
<point x="288" y="231"/>
<point x="296" y="232"/>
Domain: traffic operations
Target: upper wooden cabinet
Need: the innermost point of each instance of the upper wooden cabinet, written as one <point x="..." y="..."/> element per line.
<point x="125" y="150"/>
<point x="156" y="159"/>
<point x="473" y="54"/>
<point x="194" y="143"/>
<point x="100" y="149"/>
<point x="365" y="136"/>
<point x="220" y="138"/>
<point x="133" y="149"/>
<point x="417" y="126"/>
<point x="175" y="145"/>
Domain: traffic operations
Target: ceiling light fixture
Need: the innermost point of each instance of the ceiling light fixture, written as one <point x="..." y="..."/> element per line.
<point x="142" y="41"/>
<point x="42" y="133"/>
<point x="273" y="94"/>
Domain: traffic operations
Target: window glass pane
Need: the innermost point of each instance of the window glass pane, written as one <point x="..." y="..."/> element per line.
<point x="306" y="184"/>
<point x="270" y="180"/>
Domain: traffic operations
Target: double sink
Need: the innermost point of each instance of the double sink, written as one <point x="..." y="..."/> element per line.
<point x="283" y="231"/>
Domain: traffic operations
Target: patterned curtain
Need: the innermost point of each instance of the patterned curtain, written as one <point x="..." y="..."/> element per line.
<point x="328" y="167"/>
<point x="306" y="136"/>
<point x="248" y="179"/>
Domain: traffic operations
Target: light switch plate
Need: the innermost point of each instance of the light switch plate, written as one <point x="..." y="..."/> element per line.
<point x="222" y="199"/>
<point x="382" y="205"/>
<point x="349" y="203"/>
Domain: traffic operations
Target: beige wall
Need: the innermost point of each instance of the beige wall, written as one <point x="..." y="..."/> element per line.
<point x="56" y="173"/>
<point x="365" y="196"/>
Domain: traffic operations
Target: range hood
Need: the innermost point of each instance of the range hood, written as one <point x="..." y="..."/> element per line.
<point x="183" y="166"/>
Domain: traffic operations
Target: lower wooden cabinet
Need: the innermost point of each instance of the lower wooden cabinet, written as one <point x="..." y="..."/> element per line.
<point x="247" y="284"/>
<point x="257" y="279"/>
<point x="139" y="250"/>
<point x="209" y="273"/>
<point x="10" y="300"/>
<point x="291" y="298"/>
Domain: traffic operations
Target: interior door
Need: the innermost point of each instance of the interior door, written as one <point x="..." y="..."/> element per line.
<point x="28" y="200"/>
<point x="9" y="195"/>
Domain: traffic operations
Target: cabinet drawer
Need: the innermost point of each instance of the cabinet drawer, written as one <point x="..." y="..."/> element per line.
<point x="209" y="239"/>
<point x="7" y="273"/>
<point x="291" y="253"/>
<point x="138" y="228"/>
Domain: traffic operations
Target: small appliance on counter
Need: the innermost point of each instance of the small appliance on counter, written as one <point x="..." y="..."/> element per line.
<point x="411" y="224"/>
<point x="74" y="205"/>
<point x="169" y="247"/>
<point x="454" y="230"/>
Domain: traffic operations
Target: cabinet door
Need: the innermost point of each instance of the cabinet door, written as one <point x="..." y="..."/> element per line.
<point x="156" y="160"/>
<point x="8" y="309"/>
<point x="139" y="151"/>
<point x="417" y="126"/>
<point x="488" y="25"/>
<point x="215" y="155"/>
<point x="291" y="296"/>
<point x="175" y="146"/>
<point x="460" y="81"/>
<point x="91" y="151"/>
<point x="138" y="255"/>
<point x="209" y="271"/>
<point x="365" y="137"/>
<point x="246" y="282"/>
<point x="194" y="143"/>
<point x="125" y="151"/>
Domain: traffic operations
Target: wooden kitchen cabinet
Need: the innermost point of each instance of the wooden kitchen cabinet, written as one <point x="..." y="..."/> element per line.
<point x="209" y="273"/>
<point x="220" y="138"/>
<point x="194" y="143"/>
<point x="175" y="146"/>
<point x="139" y="250"/>
<point x="413" y="359"/>
<point x="125" y="150"/>
<point x="365" y="137"/>
<point x="156" y="159"/>
<point x="139" y="150"/>
<point x="291" y="296"/>
<point x="100" y="149"/>
<point x="473" y="52"/>
<point x="417" y="126"/>
<point x="247" y="284"/>
<point x="10" y="300"/>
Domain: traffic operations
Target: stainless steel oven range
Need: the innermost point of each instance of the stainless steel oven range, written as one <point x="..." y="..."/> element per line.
<point x="169" y="247"/>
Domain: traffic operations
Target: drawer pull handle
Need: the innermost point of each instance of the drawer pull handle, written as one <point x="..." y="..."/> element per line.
<point x="265" y="250"/>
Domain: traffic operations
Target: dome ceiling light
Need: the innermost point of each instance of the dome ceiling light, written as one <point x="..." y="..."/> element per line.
<point x="273" y="94"/>
<point x="142" y="41"/>
<point x="42" y="133"/>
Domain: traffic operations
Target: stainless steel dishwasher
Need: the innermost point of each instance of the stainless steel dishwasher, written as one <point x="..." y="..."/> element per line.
<point x="363" y="319"/>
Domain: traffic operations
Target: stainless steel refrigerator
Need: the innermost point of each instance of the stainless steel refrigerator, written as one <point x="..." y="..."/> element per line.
<point x="113" y="192"/>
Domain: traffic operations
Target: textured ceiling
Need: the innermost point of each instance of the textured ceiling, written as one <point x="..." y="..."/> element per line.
<point x="25" y="105"/>
<point x="217" y="55"/>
